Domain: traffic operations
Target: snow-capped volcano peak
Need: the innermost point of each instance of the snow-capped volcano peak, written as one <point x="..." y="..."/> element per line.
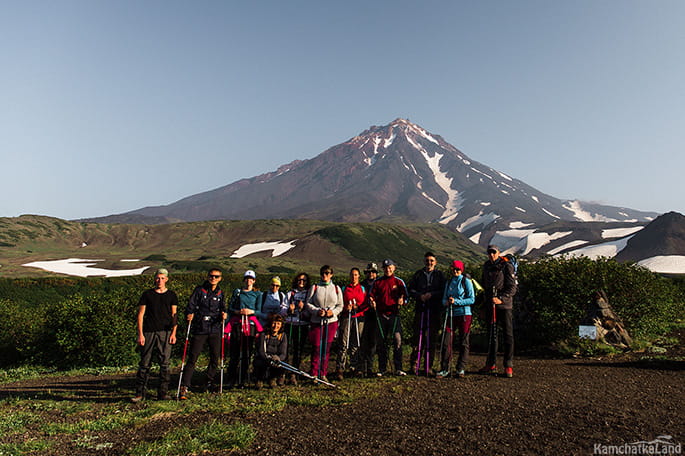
<point x="398" y="171"/>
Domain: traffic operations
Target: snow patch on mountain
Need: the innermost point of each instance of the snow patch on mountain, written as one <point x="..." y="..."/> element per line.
<point x="278" y="247"/>
<point x="583" y="215"/>
<point x="550" y="214"/>
<point x="453" y="201"/>
<point x="522" y="241"/>
<point x="568" y="245"/>
<point x="606" y="249"/>
<point x="476" y="237"/>
<point x="665" y="264"/>
<point x="620" y="232"/>
<point x="479" y="219"/>
<point x="518" y="225"/>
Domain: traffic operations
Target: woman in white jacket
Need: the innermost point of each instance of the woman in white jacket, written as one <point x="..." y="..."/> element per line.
<point x="324" y="304"/>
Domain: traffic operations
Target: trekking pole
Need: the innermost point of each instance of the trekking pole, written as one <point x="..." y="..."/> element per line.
<point x="346" y="357"/>
<point x="443" y="352"/>
<point x="241" y="358"/>
<point x="356" y="326"/>
<point x="417" y="367"/>
<point x="183" y="362"/>
<point x="428" y="341"/>
<point x="223" y="355"/>
<point x="451" y="349"/>
<point x="294" y="370"/>
<point x="492" y="343"/>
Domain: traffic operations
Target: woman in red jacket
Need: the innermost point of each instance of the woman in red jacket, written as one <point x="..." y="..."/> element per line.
<point x="351" y="324"/>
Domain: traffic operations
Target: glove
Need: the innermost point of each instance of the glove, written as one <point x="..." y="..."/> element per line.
<point x="275" y="358"/>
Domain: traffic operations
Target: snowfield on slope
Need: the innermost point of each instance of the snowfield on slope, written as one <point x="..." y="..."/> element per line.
<point x="665" y="264"/>
<point x="278" y="247"/>
<point x="82" y="268"/>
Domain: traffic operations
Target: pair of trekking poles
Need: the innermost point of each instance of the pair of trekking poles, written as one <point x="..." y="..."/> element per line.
<point x="223" y="357"/>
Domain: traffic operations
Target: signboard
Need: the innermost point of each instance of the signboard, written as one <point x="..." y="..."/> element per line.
<point x="587" y="332"/>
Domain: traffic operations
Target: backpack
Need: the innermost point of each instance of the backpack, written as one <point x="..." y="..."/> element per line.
<point x="511" y="259"/>
<point x="477" y="288"/>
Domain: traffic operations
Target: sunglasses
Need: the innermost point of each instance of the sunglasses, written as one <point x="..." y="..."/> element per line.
<point x="214" y="276"/>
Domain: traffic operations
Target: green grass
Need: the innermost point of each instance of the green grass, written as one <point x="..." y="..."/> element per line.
<point x="27" y="447"/>
<point x="213" y="436"/>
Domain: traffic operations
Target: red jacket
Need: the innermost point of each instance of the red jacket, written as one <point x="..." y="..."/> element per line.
<point x="386" y="292"/>
<point x="358" y="294"/>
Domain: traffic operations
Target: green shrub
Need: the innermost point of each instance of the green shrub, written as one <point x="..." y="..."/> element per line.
<point x="554" y="294"/>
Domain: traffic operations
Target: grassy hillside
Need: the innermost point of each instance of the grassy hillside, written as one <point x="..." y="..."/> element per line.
<point x="188" y="247"/>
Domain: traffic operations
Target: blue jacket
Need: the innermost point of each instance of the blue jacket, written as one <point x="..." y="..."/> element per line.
<point x="461" y="289"/>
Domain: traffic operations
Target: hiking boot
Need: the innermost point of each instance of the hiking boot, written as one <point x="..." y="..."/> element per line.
<point x="324" y="378"/>
<point x="488" y="370"/>
<point x="259" y="384"/>
<point x="380" y="374"/>
<point x="508" y="372"/>
<point x="183" y="393"/>
<point x="272" y="383"/>
<point x="281" y="380"/>
<point x="443" y="374"/>
<point x="401" y="373"/>
<point x="136" y="399"/>
<point x="293" y="380"/>
<point x="359" y="374"/>
<point x="163" y="396"/>
<point x="339" y="375"/>
<point x="461" y="373"/>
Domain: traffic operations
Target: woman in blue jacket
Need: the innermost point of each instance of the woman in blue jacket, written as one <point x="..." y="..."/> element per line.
<point x="457" y="300"/>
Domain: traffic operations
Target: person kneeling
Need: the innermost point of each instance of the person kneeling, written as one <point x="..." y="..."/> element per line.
<point x="272" y="347"/>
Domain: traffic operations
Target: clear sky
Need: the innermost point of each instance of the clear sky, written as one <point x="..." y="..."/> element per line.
<point x="109" y="106"/>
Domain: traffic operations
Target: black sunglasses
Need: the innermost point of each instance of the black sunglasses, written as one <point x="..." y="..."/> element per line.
<point x="214" y="276"/>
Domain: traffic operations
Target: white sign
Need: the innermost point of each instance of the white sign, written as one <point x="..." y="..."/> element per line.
<point x="587" y="332"/>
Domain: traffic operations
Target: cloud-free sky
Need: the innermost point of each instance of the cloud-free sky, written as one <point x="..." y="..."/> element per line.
<point x="109" y="106"/>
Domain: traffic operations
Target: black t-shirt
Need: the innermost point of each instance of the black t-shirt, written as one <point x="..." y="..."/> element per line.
<point x="158" y="315"/>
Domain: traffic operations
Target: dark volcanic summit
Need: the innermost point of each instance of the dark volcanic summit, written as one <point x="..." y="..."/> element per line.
<point x="664" y="236"/>
<point x="395" y="172"/>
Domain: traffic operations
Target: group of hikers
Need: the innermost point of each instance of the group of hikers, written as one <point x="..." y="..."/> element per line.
<point x="265" y="332"/>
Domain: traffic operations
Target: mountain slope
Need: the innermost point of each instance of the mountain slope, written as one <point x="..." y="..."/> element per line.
<point x="398" y="171"/>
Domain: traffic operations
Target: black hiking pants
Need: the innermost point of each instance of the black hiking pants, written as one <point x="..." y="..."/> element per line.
<point x="154" y="341"/>
<point x="197" y="343"/>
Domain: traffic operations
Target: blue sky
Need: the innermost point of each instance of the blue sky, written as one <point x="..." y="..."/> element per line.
<point x="112" y="106"/>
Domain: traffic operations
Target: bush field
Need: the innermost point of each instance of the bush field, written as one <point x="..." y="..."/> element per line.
<point x="73" y="322"/>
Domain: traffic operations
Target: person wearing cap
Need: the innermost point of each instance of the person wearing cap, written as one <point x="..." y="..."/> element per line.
<point x="206" y="314"/>
<point x="244" y="308"/>
<point x="156" y="324"/>
<point x="324" y="303"/>
<point x="499" y="286"/>
<point x="426" y="288"/>
<point x="370" y="330"/>
<point x="388" y="294"/>
<point x="274" y="301"/>
<point x="458" y="298"/>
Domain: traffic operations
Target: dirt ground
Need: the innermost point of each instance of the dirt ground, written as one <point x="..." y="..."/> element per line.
<point x="551" y="406"/>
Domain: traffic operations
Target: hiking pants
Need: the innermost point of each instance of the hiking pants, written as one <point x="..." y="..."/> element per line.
<point x="369" y="342"/>
<point x="348" y="350"/>
<point x="457" y="333"/>
<point x="430" y="333"/>
<point x="319" y="366"/>
<point x="505" y="321"/>
<point x="241" y="351"/>
<point x="154" y="341"/>
<point x="392" y="331"/>
<point x="197" y="343"/>
<point x="297" y="337"/>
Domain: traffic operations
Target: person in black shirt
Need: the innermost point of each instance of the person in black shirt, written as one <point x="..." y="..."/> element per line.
<point x="156" y="331"/>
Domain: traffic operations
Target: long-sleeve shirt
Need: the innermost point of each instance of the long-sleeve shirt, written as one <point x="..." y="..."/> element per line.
<point x="207" y="306"/>
<point x="324" y="296"/>
<point x="386" y="292"/>
<point x="461" y="289"/>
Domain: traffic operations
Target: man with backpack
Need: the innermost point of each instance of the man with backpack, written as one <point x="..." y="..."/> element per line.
<point x="499" y="284"/>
